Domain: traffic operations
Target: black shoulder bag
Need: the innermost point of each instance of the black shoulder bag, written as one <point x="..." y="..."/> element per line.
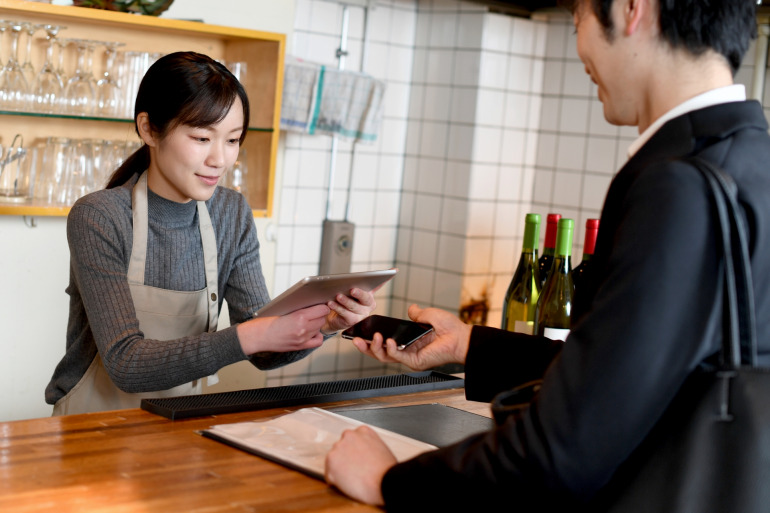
<point x="710" y="452"/>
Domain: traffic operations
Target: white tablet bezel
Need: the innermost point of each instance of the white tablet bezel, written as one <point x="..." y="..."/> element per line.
<point x="315" y="290"/>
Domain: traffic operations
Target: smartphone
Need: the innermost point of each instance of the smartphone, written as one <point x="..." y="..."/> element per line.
<point x="404" y="332"/>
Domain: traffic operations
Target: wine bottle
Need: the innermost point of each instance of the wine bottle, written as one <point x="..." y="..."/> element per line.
<point x="546" y="259"/>
<point x="523" y="292"/>
<point x="578" y="273"/>
<point x="555" y="303"/>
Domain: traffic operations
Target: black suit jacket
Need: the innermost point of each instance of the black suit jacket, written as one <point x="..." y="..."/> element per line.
<point x="651" y="314"/>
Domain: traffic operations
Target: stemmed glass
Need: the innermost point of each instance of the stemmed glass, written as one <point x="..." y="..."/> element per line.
<point x="14" y="91"/>
<point x="27" y="67"/>
<point x="61" y="44"/>
<point x="79" y="93"/>
<point x="108" y="93"/>
<point x="4" y="24"/>
<point x="47" y="88"/>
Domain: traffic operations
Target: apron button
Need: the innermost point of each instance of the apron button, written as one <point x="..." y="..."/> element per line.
<point x="213" y="296"/>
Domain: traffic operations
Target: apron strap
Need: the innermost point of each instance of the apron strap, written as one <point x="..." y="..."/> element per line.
<point x="140" y="227"/>
<point x="208" y="238"/>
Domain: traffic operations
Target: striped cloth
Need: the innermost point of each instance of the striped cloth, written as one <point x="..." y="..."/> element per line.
<point x="318" y="99"/>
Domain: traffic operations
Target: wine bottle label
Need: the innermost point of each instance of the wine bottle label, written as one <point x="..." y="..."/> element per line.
<point x="524" y="327"/>
<point x="556" y="333"/>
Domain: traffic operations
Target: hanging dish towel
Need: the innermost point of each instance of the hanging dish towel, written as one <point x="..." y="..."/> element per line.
<point x="318" y="99"/>
<point x="300" y="92"/>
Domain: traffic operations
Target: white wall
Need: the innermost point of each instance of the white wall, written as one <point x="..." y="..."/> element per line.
<point x="34" y="269"/>
<point x="471" y="155"/>
<point x="268" y="15"/>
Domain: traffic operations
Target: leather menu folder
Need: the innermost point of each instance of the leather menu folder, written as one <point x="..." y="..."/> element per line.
<point x="300" y="440"/>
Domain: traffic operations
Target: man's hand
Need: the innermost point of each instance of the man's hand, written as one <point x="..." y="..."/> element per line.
<point x="357" y="463"/>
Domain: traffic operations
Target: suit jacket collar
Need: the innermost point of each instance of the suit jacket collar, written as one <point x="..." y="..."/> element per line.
<point x="684" y="136"/>
<point x="688" y="133"/>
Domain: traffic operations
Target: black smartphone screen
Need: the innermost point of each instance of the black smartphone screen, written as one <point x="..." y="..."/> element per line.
<point x="404" y="332"/>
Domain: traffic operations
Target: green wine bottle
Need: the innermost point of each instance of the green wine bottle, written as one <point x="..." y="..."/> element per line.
<point x="546" y="259"/>
<point x="524" y="290"/>
<point x="555" y="304"/>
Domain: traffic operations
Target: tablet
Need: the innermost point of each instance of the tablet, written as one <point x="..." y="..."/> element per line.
<point x="315" y="290"/>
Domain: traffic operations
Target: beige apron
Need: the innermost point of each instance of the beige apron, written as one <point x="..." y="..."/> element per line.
<point x="163" y="315"/>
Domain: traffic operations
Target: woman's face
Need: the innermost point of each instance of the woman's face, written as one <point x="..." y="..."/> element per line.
<point x="188" y="163"/>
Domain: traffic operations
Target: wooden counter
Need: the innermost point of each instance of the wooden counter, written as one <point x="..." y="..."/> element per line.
<point x="138" y="462"/>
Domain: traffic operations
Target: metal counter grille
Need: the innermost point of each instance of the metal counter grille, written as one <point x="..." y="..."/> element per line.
<point x="182" y="407"/>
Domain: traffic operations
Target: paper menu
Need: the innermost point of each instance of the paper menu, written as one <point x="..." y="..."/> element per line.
<point x="301" y="439"/>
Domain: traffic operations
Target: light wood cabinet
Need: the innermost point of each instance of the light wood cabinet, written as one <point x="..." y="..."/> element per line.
<point x="263" y="52"/>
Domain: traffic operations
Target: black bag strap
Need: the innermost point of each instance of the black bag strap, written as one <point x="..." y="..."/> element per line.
<point x="740" y="343"/>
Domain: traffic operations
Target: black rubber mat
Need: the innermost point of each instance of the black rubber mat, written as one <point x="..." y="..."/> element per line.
<point x="187" y="406"/>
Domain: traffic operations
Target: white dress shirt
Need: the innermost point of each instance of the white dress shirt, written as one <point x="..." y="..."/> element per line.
<point x="731" y="93"/>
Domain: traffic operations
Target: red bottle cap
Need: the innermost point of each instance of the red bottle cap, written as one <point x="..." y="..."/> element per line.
<point x="592" y="228"/>
<point x="552" y="222"/>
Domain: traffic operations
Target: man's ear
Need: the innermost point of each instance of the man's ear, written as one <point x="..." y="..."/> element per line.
<point x="145" y="129"/>
<point x="634" y="12"/>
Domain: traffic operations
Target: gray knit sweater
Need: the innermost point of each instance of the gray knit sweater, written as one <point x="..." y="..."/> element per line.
<point x="102" y="316"/>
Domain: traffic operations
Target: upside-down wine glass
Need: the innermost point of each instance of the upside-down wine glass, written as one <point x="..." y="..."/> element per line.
<point x="61" y="45"/>
<point x="14" y="91"/>
<point x="4" y="24"/>
<point x="108" y="92"/>
<point x="47" y="88"/>
<point x="29" y="70"/>
<point x="79" y="94"/>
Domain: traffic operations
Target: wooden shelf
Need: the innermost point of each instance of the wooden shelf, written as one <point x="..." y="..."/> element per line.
<point x="263" y="53"/>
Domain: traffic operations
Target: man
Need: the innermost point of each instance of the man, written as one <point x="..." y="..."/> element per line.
<point x="652" y="309"/>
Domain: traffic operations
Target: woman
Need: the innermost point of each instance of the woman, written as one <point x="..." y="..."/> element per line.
<point x="154" y="254"/>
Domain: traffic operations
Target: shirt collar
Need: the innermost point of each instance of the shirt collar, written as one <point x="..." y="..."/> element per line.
<point x="731" y="93"/>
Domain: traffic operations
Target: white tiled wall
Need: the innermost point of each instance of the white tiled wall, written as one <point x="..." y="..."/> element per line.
<point x="470" y="168"/>
<point x="373" y="172"/>
<point x="486" y="117"/>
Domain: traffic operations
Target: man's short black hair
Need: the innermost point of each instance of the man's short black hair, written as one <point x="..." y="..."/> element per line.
<point x="725" y="26"/>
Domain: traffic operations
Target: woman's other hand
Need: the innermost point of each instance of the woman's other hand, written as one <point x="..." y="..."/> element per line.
<point x="348" y="310"/>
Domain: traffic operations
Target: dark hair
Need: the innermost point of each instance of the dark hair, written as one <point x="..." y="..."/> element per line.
<point x="182" y="88"/>
<point x="725" y="26"/>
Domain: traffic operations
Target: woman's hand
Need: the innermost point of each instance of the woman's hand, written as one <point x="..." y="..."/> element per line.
<point x="448" y="343"/>
<point x="348" y="310"/>
<point x="357" y="463"/>
<point x="291" y="332"/>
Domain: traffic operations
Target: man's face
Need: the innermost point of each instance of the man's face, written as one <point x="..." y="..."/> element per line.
<point x="606" y="61"/>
